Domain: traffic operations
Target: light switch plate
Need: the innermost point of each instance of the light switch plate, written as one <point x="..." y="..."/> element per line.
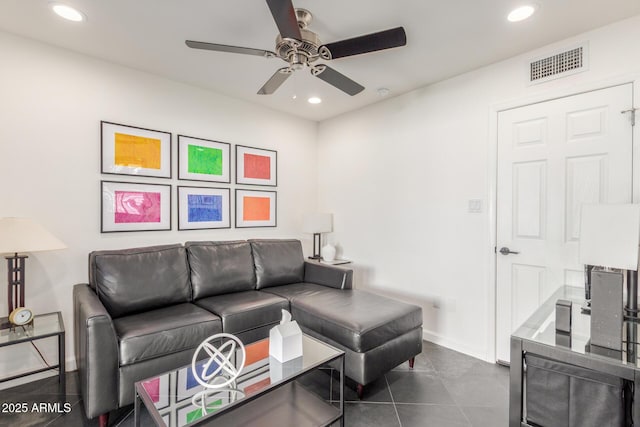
<point x="475" y="206"/>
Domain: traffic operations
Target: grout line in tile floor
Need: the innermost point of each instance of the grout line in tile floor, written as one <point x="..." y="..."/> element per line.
<point x="124" y="418"/>
<point x="395" y="408"/>
<point x="455" y="401"/>
<point x="434" y="404"/>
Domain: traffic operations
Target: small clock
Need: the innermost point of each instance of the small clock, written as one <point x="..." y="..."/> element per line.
<point x="21" y="316"/>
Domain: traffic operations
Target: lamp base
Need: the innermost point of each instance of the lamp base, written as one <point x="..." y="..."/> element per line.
<point x="606" y="309"/>
<point x="5" y="324"/>
<point x="15" y="284"/>
<point x="316" y="246"/>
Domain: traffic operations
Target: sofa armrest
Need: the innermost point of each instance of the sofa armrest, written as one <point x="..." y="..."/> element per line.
<point x="96" y="348"/>
<point x="328" y="275"/>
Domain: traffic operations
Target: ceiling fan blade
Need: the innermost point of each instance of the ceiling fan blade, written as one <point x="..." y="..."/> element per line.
<point x="275" y="81"/>
<point x="285" y="16"/>
<point x="387" y="39"/>
<point x="230" y="49"/>
<point x="337" y="79"/>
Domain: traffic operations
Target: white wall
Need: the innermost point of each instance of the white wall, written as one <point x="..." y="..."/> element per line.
<point x="398" y="176"/>
<point x="51" y="105"/>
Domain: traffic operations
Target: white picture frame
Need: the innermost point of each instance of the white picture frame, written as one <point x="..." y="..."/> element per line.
<point x="202" y="208"/>
<point x="256" y="208"/>
<point x="203" y="160"/>
<point x="130" y="150"/>
<point x="128" y="206"/>
<point x="256" y="166"/>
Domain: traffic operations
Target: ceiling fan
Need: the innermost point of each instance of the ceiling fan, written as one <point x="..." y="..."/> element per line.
<point x="301" y="48"/>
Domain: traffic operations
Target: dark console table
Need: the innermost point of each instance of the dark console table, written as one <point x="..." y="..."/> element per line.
<point x="538" y="342"/>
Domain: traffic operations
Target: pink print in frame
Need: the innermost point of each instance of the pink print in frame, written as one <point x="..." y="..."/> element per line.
<point x="137" y="206"/>
<point x="128" y="206"/>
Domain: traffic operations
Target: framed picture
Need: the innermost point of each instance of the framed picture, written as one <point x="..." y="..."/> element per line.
<point x="203" y="160"/>
<point x="128" y="150"/>
<point x="128" y="206"/>
<point x="213" y="401"/>
<point x="201" y="208"/>
<point x="186" y="384"/>
<point x="256" y="166"/>
<point x="158" y="390"/>
<point x="255" y="208"/>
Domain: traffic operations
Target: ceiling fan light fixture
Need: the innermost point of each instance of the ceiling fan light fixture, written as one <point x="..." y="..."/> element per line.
<point x="314" y="100"/>
<point x="68" y="12"/>
<point x="521" y="13"/>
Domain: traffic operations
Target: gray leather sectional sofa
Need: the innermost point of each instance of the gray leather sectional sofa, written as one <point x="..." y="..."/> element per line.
<point x="145" y="310"/>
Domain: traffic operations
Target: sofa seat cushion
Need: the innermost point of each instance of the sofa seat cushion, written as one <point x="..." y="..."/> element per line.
<point x="164" y="331"/>
<point x="359" y="320"/>
<point x="296" y="290"/>
<point x="242" y="311"/>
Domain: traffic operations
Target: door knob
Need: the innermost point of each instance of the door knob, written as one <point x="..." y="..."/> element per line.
<point x="506" y="251"/>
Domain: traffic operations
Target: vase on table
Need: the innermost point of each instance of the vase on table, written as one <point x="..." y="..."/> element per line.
<point x="328" y="252"/>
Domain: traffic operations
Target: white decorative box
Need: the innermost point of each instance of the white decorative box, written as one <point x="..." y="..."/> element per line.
<point x="285" y="340"/>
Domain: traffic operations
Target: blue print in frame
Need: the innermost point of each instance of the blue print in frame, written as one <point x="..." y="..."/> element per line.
<point x="203" y="208"/>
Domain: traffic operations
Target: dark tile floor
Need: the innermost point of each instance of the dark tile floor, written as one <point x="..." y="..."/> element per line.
<point x="444" y="389"/>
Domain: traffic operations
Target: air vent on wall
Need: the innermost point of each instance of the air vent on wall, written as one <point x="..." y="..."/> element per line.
<point x="559" y="65"/>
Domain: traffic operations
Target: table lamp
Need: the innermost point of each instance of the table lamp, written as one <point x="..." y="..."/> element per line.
<point x="610" y="240"/>
<point x="20" y="235"/>
<point x="316" y="224"/>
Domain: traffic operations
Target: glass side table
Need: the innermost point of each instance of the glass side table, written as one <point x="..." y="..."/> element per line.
<point x="538" y="337"/>
<point x="43" y="326"/>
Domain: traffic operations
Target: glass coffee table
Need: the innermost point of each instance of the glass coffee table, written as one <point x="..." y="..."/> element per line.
<point x="266" y="393"/>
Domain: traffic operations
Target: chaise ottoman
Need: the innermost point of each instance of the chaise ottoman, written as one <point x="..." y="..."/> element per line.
<point x="376" y="333"/>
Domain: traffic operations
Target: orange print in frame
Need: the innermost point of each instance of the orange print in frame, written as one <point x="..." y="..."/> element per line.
<point x="256" y="209"/>
<point x="137" y="151"/>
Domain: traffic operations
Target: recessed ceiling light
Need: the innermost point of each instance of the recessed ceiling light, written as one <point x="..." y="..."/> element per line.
<point x="521" y="13"/>
<point x="67" y="12"/>
<point x="314" y="100"/>
<point x="383" y="91"/>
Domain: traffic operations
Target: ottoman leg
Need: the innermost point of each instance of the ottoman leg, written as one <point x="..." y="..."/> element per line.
<point x="411" y="361"/>
<point x="360" y="391"/>
<point x="104" y="420"/>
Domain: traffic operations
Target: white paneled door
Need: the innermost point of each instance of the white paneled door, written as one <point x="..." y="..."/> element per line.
<point x="553" y="156"/>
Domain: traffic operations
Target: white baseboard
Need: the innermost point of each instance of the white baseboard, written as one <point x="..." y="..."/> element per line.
<point x="453" y="345"/>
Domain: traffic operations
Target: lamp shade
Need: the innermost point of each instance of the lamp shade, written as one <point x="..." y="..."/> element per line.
<point x="318" y="223"/>
<point x="610" y="236"/>
<point x="25" y="235"/>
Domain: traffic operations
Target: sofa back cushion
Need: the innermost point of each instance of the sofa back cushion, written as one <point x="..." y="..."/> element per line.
<point x="134" y="280"/>
<point x="220" y="267"/>
<point x="278" y="262"/>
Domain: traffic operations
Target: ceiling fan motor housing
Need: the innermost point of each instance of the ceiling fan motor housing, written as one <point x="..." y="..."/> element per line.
<point x="299" y="53"/>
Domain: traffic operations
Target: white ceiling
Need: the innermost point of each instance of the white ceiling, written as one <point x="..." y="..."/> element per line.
<point x="444" y="38"/>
